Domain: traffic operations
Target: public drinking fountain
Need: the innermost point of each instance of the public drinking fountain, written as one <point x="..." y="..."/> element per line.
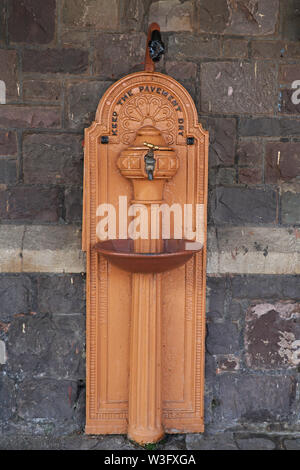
<point x="146" y="155"/>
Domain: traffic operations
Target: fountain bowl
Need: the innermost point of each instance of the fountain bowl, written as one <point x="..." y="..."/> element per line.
<point x="174" y="254"/>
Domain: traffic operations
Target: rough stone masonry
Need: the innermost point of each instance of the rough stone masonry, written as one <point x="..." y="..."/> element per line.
<point x="238" y="59"/>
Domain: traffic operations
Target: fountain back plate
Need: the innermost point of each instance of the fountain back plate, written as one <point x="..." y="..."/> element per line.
<point x="137" y="100"/>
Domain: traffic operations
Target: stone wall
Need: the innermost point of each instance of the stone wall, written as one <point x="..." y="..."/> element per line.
<point x="238" y="59"/>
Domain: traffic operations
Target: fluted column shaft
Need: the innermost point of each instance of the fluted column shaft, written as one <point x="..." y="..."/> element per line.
<point x="145" y="395"/>
<point x="145" y="406"/>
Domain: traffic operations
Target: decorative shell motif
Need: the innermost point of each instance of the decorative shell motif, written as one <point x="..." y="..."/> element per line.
<point x="147" y="110"/>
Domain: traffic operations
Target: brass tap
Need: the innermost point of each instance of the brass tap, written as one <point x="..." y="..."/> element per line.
<point x="150" y="160"/>
<point x="151" y="146"/>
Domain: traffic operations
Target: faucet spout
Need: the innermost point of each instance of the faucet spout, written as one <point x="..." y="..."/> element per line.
<point x="150" y="160"/>
<point x="150" y="175"/>
<point x="149" y="164"/>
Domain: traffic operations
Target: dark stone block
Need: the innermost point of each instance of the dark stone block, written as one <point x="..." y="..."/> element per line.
<point x="83" y="99"/>
<point x="9" y="65"/>
<point x="221" y="176"/>
<point x="248" y="18"/>
<point x="288" y="73"/>
<point x="73" y="61"/>
<point x="8" y="171"/>
<point x="216" y="287"/>
<point x="61" y="293"/>
<point x="46" y="345"/>
<point x="243" y="205"/>
<point x="73" y="205"/>
<point x="132" y="14"/>
<point x="249" y="153"/>
<point x="76" y="441"/>
<point x="52" y="159"/>
<point x="275" y="50"/>
<point x="8" y="143"/>
<point x="3" y="204"/>
<point x="255" y="443"/>
<point x="172" y="15"/>
<point x="257" y="287"/>
<point x="17" y="295"/>
<point x="210" y="372"/>
<point x="29" y="442"/>
<point x="50" y="401"/>
<point x="190" y="46"/>
<point x="222" y="338"/>
<point x="292" y="48"/>
<point x="292" y="444"/>
<point x="213" y="15"/>
<point x="237" y="48"/>
<point x="84" y="14"/>
<point x="270" y="335"/>
<point x="242" y="18"/>
<point x="31" y="21"/>
<point x="282" y="161"/>
<point x="255" y="399"/>
<point x="268" y="127"/>
<point x="291" y="20"/>
<point x="234" y="310"/>
<point x="185" y="73"/>
<point x="128" y="48"/>
<point x="286" y="102"/>
<point x="222" y="441"/>
<point x="172" y="442"/>
<point x="113" y="442"/>
<point x="290" y="287"/>
<point x="42" y="90"/>
<point x="29" y="117"/>
<point x="268" y="49"/>
<point x="222" y="137"/>
<point x="7" y="398"/>
<point x="290" y="208"/>
<point x="230" y="87"/>
<point x="77" y="38"/>
<point x="2" y="21"/>
<point x="250" y="175"/>
<point x="250" y="158"/>
<point x="33" y="203"/>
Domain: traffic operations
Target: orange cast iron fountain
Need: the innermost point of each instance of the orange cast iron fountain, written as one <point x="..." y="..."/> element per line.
<point x="145" y="295"/>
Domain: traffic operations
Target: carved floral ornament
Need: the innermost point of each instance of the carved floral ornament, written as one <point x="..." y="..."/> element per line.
<point x="147" y="103"/>
<point x="147" y="110"/>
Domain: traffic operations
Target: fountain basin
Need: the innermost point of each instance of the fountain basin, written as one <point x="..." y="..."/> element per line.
<point x="121" y="253"/>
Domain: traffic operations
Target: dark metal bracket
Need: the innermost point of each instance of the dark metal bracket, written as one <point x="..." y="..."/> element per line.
<point x="190" y="140"/>
<point x="156" y="46"/>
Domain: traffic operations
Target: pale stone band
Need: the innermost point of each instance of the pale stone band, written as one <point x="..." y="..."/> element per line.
<point x="234" y="250"/>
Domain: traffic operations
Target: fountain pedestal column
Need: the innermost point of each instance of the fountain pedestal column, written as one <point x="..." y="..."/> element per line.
<point x="145" y="407"/>
<point x="145" y="395"/>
